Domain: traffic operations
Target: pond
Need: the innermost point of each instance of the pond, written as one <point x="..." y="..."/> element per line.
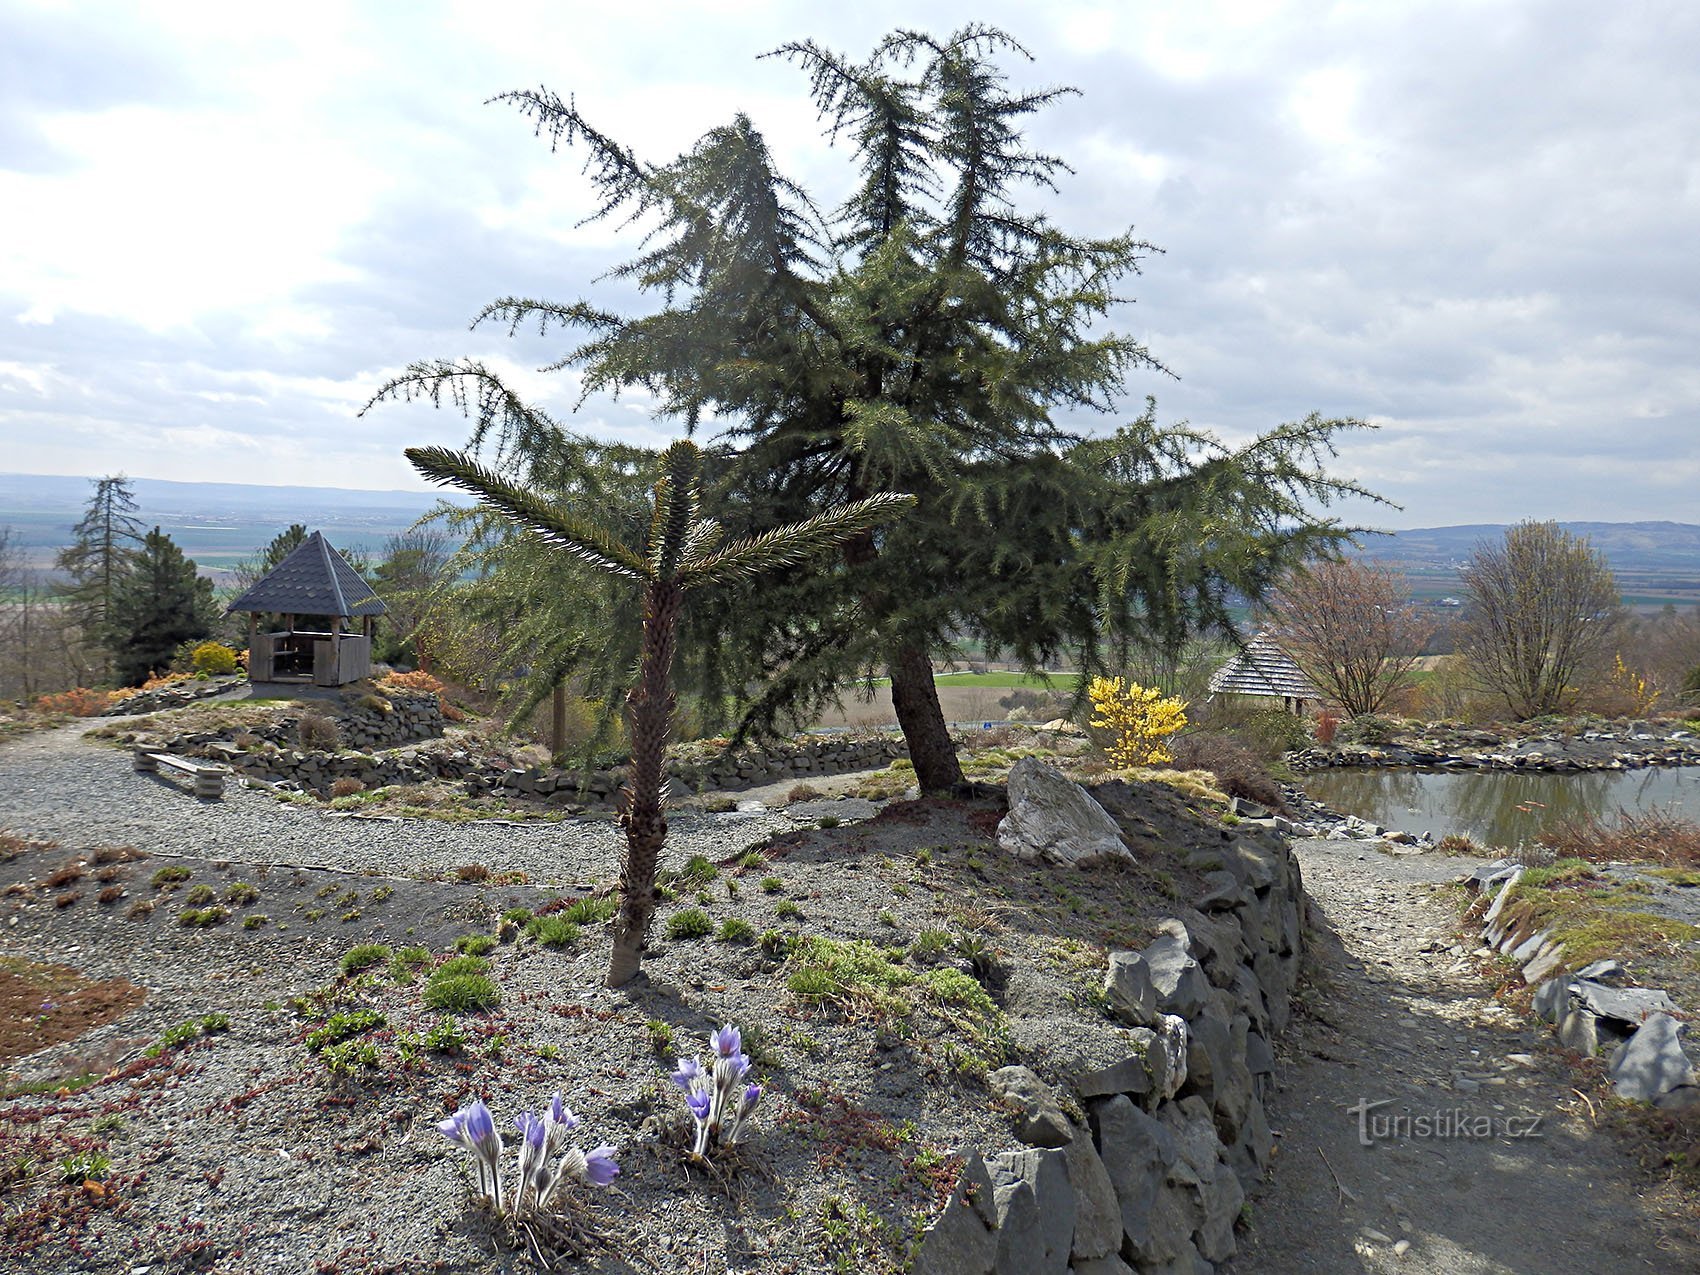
<point x="1497" y="807"/>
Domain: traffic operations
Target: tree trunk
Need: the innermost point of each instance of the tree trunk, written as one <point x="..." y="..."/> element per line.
<point x="649" y="714"/>
<point x="916" y="699"/>
<point x="558" y="720"/>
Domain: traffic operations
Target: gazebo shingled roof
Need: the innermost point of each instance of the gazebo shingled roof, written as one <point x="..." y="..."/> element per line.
<point x="313" y="580"/>
<point x="1263" y="668"/>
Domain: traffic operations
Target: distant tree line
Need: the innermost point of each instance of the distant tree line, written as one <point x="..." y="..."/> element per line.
<point x="125" y="603"/>
<point x="1542" y="631"/>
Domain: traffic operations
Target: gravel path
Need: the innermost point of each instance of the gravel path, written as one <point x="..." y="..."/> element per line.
<point x="1395" y="1010"/>
<point x="56" y="784"/>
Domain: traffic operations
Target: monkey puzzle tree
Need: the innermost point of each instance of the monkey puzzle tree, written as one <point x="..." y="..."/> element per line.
<point x="920" y="338"/>
<point x="678" y="552"/>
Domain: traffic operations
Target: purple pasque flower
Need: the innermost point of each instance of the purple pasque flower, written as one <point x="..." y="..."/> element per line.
<point x="533" y="1129"/>
<point x="454" y="1129"/>
<point x="474" y="1128"/>
<point x="700" y="1103"/>
<point x="480" y="1126"/>
<point x="532" y="1157"/>
<point x="560" y="1114"/>
<point x="727" y="1041"/>
<point x="686" y="1075"/>
<point x="600" y="1167"/>
<point x="746" y="1106"/>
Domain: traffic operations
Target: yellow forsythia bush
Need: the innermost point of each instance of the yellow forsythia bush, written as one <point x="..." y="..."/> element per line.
<point x="213" y="657"/>
<point x="1139" y="717"/>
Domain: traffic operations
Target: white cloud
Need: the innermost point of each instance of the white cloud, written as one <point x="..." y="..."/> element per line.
<point x="1471" y="222"/>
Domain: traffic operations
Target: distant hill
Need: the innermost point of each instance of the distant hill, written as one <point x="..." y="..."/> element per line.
<point x="1657" y="563"/>
<point x="215" y="523"/>
<point x="1628" y="546"/>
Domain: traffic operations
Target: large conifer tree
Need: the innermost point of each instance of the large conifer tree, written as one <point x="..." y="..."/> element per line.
<point x="161" y="603"/>
<point x="924" y="338"/>
<point x="98" y="559"/>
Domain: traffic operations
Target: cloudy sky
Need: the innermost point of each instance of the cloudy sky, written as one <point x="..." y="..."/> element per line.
<point x="1475" y="224"/>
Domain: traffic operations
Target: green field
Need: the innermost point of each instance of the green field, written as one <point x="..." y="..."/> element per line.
<point x="1001" y="681"/>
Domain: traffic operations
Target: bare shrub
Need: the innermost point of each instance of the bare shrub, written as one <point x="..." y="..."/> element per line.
<point x="1238" y="771"/>
<point x="118" y="854"/>
<point x="1654" y="836"/>
<point x="347" y="787"/>
<point x="803" y="792"/>
<point x="318" y="733"/>
<point x="1350" y="625"/>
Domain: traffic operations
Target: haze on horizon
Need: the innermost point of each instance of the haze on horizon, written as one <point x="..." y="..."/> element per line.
<point x="1470" y="223"/>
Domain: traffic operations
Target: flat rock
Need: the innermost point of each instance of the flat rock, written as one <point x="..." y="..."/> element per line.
<point x="1053" y="818"/>
<point x="1621" y="1004"/>
<point x="1096" y="1058"/>
<point x="1137" y="1152"/>
<point x="1097" y="1212"/>
<point x="1651" y="1062"/>
<point x="1045" y="1173"/>
<point x="1021" y="1239"/>
<point x="1128" y="987"/>
<point x="1544" y="965"/>
<point x="1608" y="971"/>
<point x="1551" y="1000"/>
<point x="1039" y="1119"/>
<point x="1505" y="888"/>
<point x="1579" y="1030"/>
<point x="1181" y="985"/>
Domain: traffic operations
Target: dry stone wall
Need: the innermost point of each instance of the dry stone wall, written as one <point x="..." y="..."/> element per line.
<point x="374" y="753"/>
<point x="1171" y="1087"/>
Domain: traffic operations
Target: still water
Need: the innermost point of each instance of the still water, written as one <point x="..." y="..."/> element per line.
<point x="1501" y="808"/>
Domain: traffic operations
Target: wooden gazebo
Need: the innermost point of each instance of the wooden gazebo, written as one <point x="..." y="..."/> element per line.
<point x="1264" y="669"/>
<point x="310" y="594"/>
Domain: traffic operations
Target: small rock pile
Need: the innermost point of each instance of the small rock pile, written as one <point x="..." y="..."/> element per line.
<point x="1170" y="1081"/>
<point x="172" y="695"/>
<point x="1595" y="1009"/>
<point x="1629" y="746"/>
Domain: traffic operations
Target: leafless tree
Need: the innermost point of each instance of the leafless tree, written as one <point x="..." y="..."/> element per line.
<point x="1541" y="614"/>
<point x="42" y="648"/>
<point x="1350" y="625"/>
<point x="1666" y="648"/>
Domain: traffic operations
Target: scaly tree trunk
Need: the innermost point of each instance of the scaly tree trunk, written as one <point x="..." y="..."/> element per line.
<point x="649" y="714"/>
<point x="916" y="699"/>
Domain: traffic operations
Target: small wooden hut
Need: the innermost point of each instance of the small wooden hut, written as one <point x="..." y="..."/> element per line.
<point x="296" y="619"/>
<point x="1264" y="669"/>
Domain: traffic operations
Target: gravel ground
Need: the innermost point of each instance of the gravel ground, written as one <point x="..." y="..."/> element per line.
<point x="55" y="785"/>
<point x="240" y="1150"/>
<point x="1397" y="1007"/>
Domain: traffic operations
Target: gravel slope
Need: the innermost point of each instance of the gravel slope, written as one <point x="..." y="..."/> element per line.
<point x="56" y="784"/>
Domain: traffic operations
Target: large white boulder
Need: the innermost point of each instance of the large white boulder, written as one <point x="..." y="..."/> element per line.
<point x="1054" y="818"/>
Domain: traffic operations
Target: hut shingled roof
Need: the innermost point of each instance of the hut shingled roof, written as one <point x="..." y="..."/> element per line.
<point x="1263" y="668"/>
<point x="313" y="580"/>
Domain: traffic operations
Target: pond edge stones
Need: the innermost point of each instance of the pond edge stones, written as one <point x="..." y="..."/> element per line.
<point x="1595" y="1009"/>
<point x="1170" y="1082"/>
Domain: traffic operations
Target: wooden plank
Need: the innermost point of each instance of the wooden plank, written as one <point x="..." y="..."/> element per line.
<point x="324" y="663"/>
